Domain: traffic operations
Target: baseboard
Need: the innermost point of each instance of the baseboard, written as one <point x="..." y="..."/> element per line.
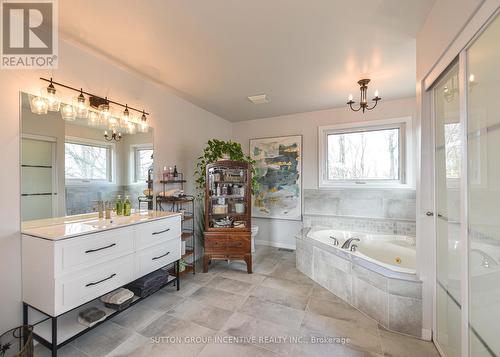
<point x="275" y="244"/>
<point x="426" y="334"/>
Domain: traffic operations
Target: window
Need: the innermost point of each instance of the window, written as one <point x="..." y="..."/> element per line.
<point x="372" y="153"/>
<point x="143" y="162"/>
<point x="87" y="162"/>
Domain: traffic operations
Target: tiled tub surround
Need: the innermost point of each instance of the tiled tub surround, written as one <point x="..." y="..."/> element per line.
<point x="362" y="209"/>
<point x="393" y="299"/>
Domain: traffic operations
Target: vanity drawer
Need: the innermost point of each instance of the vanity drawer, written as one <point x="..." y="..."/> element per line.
<point x="155" y="257"/>
<point x="89" y="284"/>
<point x="151" y="233"/>
<point x="82" y="252"/>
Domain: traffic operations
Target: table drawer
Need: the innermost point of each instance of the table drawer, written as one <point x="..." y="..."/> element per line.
<point x="151" y="233"/>
<point x="155" y="257"/>
<point x="83" y="252"/>
<point x="92" y="283"/>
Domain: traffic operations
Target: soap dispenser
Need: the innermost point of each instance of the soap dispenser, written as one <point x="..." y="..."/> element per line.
<point x="127" y="207"/>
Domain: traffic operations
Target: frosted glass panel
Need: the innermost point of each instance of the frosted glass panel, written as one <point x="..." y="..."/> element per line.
<point x="448" y="150"/>
<point x="483" y="59"/>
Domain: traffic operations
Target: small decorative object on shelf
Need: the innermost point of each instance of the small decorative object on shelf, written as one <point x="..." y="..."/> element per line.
<point x="175" y="200"/>
<point x="227" y="212"/>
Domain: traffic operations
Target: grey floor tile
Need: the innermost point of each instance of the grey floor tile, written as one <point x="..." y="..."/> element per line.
<point x="280" y="296"/>
<point x="230" y="285"/>
<point x="201" y="314"/>
<point x="290" y="287"/>
<point x="397" y="345"/>
<point x="253" y="278"/>
<point x="137" y="317"/>
<point x="240" y="350"/>
<point x="276" y="313"/>
<point x="66" y="351"/>
<point x="367" y="339"/>
<point x="103" y="339"/>
<point x="187" y="288"/>
<point x="241" y="325"/>
<point x="320" y="292"/>
<point x="287" y="270"/>
<point x="265" y="265"/>
<point x="218" y="298"/>
<point x="162" y="300"/>
<point x="338" y="309"/>
<point x="131" y="346"/>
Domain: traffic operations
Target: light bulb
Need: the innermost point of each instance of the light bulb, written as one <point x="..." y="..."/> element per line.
<point x="350" y="97"/>
<point x="126" y="114"/>
<point x="472" y="78"/>
<point x="376" y="93"/>
<point x="104" y="111"/>
<point x="68" y="112"/>
<point x="81" y="108"/>
<point x="93" y="118"/>
<point x="38" y="105"/>
<point x="54" y="103"/>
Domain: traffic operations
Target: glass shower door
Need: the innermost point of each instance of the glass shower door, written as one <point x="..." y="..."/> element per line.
<point x="448" y="151"/>
<point x="483" y="152"/>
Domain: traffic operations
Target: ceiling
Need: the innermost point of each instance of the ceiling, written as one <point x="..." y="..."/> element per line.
<point x="304" y="54"/>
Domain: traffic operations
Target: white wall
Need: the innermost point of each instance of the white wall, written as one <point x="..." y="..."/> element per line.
<point x="444" y="23"/>
<point x="181" y="129"/>
<point x="281" y="232"/>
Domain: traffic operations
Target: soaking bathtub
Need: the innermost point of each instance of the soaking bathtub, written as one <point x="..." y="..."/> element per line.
<point x="393" y="252"/>
<point x="378" y="278"/>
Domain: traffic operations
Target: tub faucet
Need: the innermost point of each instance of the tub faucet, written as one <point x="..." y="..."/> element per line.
<point x="335" y="241"/>
<point x="347" y="243"/>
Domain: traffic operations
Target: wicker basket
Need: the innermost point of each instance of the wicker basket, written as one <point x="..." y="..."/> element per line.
<point x="17" y="342"/>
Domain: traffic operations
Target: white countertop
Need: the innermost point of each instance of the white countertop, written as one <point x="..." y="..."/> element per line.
<point x="72" y="226"/>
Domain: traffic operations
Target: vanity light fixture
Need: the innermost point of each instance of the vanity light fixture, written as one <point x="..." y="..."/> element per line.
<point x="363" y="102"/>
<point x="116" y="136"/>
<point x="102" y="105"/>
<point x="143" y="126"/>
<point x="53" y="101"/>
<point x="38" y="105"/>
<point x="93" y="118"/>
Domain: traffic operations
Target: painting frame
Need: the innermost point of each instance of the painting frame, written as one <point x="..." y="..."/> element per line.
<point x="296" y="213"/>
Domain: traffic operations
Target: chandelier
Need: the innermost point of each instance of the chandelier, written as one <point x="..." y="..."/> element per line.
<point x="363" y="102"/>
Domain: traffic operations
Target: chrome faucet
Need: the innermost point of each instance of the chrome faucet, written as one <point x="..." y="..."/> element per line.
<point x="347" y="243"/>
<point x="354" y="247"/>
<point x="335" y="241"/>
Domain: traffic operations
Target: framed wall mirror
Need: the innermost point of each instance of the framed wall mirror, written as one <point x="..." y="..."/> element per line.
<point x="68" y="166"/>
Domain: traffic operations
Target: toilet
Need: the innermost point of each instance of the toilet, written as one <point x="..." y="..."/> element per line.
<point x="255" y="230"/>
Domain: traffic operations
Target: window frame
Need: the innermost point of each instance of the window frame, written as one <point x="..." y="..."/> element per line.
<point x="111" y="162"/>
<point x="404" y="124"/>
<point x="135" y="158"/>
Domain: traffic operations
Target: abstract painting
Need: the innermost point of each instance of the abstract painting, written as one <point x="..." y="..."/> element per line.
<point x="279" y="177"/>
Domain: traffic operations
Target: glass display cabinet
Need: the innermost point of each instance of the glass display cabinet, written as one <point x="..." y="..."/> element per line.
<point x="228" y="213"/>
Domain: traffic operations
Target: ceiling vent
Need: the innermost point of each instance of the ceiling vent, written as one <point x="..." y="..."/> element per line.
<point x="259" y="99"/>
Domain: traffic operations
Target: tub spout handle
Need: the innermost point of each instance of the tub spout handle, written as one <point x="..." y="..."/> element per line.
<point x="348" y="242"/>
<point x="354" y="247"/>
<point x="335" y="240"/>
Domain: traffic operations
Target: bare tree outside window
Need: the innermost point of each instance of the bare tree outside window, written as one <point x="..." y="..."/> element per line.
<point x="86" y="162"/>
<point x="144" y="160"/>
<point x="364" y="155"/>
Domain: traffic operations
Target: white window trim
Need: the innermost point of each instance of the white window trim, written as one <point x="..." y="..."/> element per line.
<point x="406" y="158"/>
<point x="111" y="162"/>
<point x="133" y="156"/>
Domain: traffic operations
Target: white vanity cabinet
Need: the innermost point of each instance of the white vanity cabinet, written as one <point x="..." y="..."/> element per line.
<point x="68" y="264"/>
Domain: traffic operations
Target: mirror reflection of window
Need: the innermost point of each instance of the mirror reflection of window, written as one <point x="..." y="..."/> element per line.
<point x="143" y="162"/>
<point x="87" y="162"/>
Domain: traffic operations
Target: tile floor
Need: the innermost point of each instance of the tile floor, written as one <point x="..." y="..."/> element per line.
<point x="276" y="301"/>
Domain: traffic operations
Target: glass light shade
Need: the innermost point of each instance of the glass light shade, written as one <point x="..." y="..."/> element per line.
<point x="93" y="118"/>
<point x="82" y="111"/>
<point x="38" y="105"/>
<point x="53" y="101"/>
<point x="104" y="112"/>
<point x="131" y="128"/>
<point x="113" y="122"/>
<point x="143" y="127"/>
<point x="68" y="112"/>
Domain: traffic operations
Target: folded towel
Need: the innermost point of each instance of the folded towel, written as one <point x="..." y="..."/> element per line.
<point x="118" y="296"/>
<point x="91" y="316"/>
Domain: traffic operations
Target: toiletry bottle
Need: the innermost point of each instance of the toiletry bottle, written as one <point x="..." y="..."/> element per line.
<point x="127" y="207"/>
<point x="119" y="205"/>
<point x="218" y="190"/>
<point x="175" y="172"/>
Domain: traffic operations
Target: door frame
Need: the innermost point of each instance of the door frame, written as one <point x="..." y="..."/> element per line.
<point x="486" y="13"/>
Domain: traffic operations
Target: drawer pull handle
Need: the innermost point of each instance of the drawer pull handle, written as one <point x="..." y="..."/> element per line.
<point x="100" y="281"/>
<point x="160" y="232"/>
<point x="98" y="249"/>
<point x="161" y="256"/>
